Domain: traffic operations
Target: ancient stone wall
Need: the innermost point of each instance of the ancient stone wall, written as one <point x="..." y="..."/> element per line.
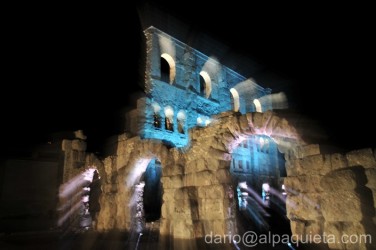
<point x="332" y="195"/>
<point x="76" y="162"/>
<point x="196" y="181"/>
<point x="327" y="193"/>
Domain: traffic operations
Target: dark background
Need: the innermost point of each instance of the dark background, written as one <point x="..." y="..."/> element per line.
<point x="69" y="67"/>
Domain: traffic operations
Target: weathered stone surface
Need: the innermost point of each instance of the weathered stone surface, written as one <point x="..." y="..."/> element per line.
<point x="109" y="165"/>
<point x="297" y="228"/>
<point x="168" y="209"/>
<point x="293" y="167"/>
<point x="338" y="161"/>
<point x="234" y="129"/>
<point x="66" y="145"/>
<point x="284" y="130"/>
<point x="168" y="194"/>
<point x="223" y="176"/>
<point x="194" y="200"/>
<point x="306" y="232"/>
<point x="362" y="157"/>
<point x="218" y="144"/>
<point x="249" y="117"/>
<point x="198" y="229"/>
<point x="175" y="181"/>
<point x="186" y="209"/>
<point x="190" y="167"/>
<point x="303" y="184"/>
<point x="172" y="170"/>
<point x="211" y="192"/>
<point x="211" y="209"/>
<point x="274" y="120"/>
<point x="106" y="218"/>
<point x="316" y="164"/>
<point x="257" y="121"/>
<point x="347" y="235"/>
<point x="313" y="228"/>
<point x="243" y="123"/>
<point x="304" y="206"/>
<point x="212" y="164"/>
<point x="109" y="188"/>
<point x="182" y="229"/>
<point x="371" y="177"/>
<point x="344" y="179"/>
<point x="200" y="165"/>
<point x="307" y="150"/>
<point x="333" y="231"/>
<point x="202" y="178"/>
<point x="219" y="226"/>
<point x="217" y="154"/>
<point x="79" y="145"/>
<point x="186" y="193"/>
<point x="341" y="206"/>
<point x="164" y="227"/>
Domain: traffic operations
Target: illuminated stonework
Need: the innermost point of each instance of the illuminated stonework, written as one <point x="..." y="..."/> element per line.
<point x="197" y="147"/>
<point x="183" y="79"/>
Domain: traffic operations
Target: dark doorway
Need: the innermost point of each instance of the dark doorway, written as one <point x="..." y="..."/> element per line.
<point x="257" y="163"/>
<point x="152" y="191"/>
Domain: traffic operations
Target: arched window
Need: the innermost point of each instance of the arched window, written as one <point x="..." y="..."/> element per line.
<point x="167" y="68"/>
<point x="169" y="118"/>
<point x="205" y="84"/>
<point x="181" y="117"/>
<point x="235" y="99"/>
<point x="157" y="121"/>
<point x="257" y="105"/>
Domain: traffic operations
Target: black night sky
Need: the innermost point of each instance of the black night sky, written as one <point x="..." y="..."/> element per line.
<point x="77" y="67"/>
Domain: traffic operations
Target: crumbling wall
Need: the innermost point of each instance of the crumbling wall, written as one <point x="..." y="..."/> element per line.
<point x="76" y="161"/>
<point x="327" y="193"/>
<point x="121" y="174"/>
<point x="197" y="186"/>
<point x="197" y="192"/>
<point x="331" y="196"/>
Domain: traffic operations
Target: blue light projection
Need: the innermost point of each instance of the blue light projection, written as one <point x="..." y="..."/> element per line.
<point x="256" y="166"/>
<point x="193" y="84"/>
<point x="257" y="160"/>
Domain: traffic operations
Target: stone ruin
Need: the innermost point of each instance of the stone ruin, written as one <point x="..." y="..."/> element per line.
<point x="326" y="193"/>
<point x="185" y="125"/>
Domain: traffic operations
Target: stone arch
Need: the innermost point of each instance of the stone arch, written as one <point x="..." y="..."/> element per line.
<point x="205" y="84"/>
<point x="268" y="123"/>
<point x="79" y="197"/>
<point x="207" y="167"/>
<point x="122" y="173"/>
<point x="235" y="99"/>
<point x="258" y="106"/>
<point x="168" y="68"/>
<point x="198" y="196"/>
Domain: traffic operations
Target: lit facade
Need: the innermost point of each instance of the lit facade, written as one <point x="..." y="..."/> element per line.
<point x="184" y="88"/>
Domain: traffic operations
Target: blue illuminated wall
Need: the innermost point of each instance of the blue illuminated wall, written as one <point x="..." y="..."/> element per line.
<point x="257" y="160"/>
<point x="186" y="94"/>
